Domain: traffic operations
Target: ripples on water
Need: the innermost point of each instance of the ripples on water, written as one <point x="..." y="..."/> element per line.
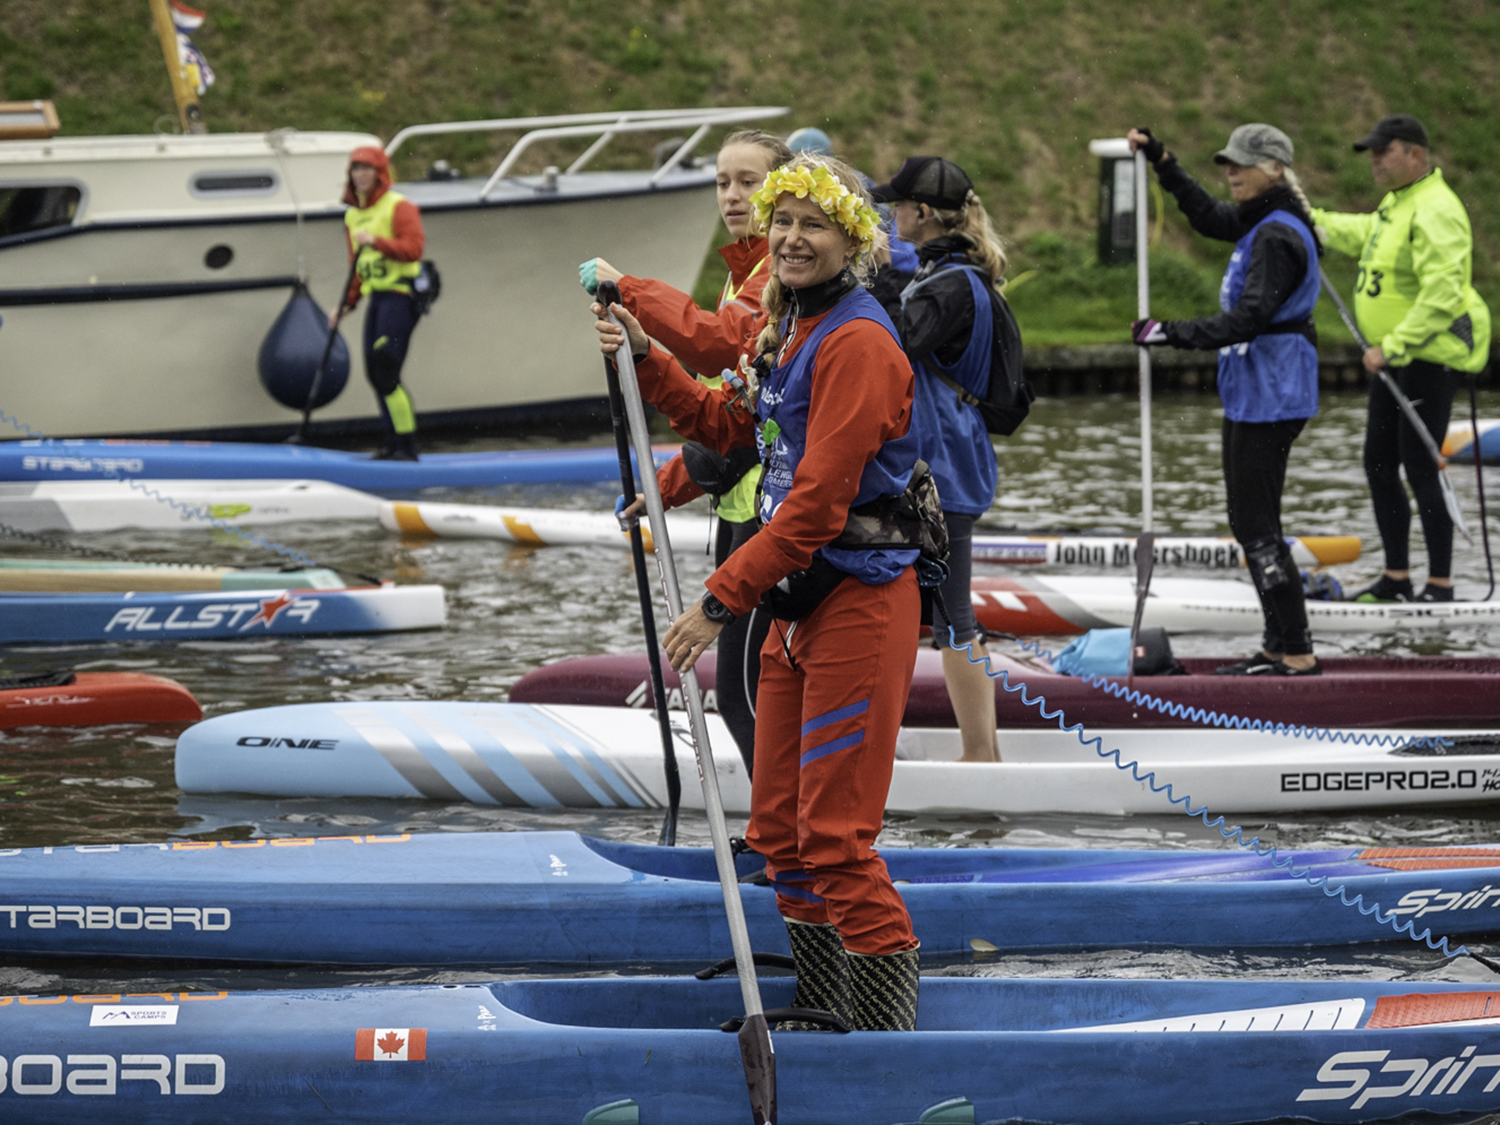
<point x="1074" y="464"/>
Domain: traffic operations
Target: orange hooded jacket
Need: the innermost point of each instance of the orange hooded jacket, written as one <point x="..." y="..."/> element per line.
<point x="407" y="238"/>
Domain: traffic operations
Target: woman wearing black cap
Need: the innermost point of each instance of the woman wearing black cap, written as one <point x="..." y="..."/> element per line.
<point x="1268" y="361"/>
<point x="946" y="317"/>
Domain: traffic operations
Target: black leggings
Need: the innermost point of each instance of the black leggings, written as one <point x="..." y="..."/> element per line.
<point x="955" y="589"/>
<point x="1255" y="457"/>
<point x="738" y="674"/>
<point x="1390" y="445"/>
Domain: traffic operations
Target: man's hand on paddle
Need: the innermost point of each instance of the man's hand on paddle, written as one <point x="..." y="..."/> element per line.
<point x="1374" y="359"/>
<point x="611" y="336"/>
<point x="689" y="637"/>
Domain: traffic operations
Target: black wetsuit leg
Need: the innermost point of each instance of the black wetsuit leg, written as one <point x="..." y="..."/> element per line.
<point x="957" y="601"/>
<point x="1255" y="459"/>
<point x="738" y="674"/>
<point x="1390" y="445"/>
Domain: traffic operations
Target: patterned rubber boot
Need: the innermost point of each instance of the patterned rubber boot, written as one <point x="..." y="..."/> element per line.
<point x="883" y="991"/>
<point x="822" y="972"/>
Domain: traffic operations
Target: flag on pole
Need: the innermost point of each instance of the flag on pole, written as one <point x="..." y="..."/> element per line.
<point x="188" y="20"/>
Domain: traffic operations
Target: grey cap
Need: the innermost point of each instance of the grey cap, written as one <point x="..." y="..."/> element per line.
<point x="1250" y="144"/>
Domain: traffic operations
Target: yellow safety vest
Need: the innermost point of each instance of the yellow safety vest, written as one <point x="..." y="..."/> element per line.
<point x="376" y="272"/>
<point x="738" y="504"/>
<point x="731" y="290"/>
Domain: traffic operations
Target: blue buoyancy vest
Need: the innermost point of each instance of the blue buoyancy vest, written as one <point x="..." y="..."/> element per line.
<point x="952" y="436"/>
<point x="785" y="396"/>
<point x="1273" y="377"/>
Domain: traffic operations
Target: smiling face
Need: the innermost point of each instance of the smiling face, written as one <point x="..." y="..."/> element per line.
<point x="1248" y="181"/>
<point x="742" y="169"/>
<point x="807" y="247"/>
<point x="362" y="176"/>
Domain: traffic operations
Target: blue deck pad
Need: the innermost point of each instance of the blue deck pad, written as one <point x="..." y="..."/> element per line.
<point x="557" y="898"/>
<point x="1089" y="1052"/>
<point x="202" y="460"/>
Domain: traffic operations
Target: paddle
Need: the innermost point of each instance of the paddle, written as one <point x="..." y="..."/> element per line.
<point x="756" y="1052"/>
<point x="609" y="293"/>
<point x="1145" y="562"/>
<point x="1450" y="501"/>
<point x="1143" y="310"/>
<point x="317" y="380"/>
<point x="1484" y="527"/>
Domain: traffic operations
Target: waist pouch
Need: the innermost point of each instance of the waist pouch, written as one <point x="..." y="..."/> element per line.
<point x="1303" y="328"/>
<point x="716" y="473"/>
<point x="802" y="591"/>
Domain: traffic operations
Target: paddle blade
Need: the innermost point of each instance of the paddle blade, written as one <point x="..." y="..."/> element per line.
<point x="1455" y="513"/>
<point x="759" y="1058"/>
<point x="1145" y="561"/>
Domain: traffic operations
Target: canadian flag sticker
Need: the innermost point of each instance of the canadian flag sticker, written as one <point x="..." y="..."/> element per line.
<point x="391" y="1044"/>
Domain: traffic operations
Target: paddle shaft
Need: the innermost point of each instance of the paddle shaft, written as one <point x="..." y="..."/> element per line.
<point x="1145" y="562"/>
<point x="317" y="380"/>
<point x="1143" y="310"/>
<point x="1413" y="419"/>
<point x="753" y="1055"/>
<point x="648" y="612"/>
<point x="1484" y="527"/>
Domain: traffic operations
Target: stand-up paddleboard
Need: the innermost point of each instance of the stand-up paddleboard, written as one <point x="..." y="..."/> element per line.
<point x="74" y="618"/>
<point x="651" y="1050"/>
<point x="561" y="899"/>
<point x="546" y="526"/>
<point x="1354" y="691"/>
<point x="89" y="576"/>
<point x="91" y="699"/>
<point x="529" y="756"/>
<point x="1458" y="445"/>
<point x="109" y="505"/>
<point x="195" y="460"/>
<point x="1070" y="604"/>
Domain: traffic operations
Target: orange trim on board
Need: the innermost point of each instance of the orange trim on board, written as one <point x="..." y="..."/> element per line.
<point x="1428" y="853"/>
<point x="1006" y="605"/>
<point x="1420" y="1008"/>
<point x="521" y="530"/>
<point x="409" y="518"/>
<point x="1330" y="550"/>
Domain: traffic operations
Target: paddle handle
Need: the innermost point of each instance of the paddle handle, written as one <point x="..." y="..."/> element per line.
<point x="713" y="802"/>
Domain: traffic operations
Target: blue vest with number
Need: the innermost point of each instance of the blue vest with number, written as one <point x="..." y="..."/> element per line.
<point x="785" y="396"/>
<point x="1273" y="377"/>
<point x="952" y="437"/>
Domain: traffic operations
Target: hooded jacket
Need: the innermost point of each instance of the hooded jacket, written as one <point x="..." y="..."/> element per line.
<point x="406" y="241"/>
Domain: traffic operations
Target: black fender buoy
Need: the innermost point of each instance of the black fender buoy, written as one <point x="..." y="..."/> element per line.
<point x="290" y="353"/>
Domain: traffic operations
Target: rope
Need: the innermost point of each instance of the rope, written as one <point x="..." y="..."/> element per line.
<point x="1229" y="832"/>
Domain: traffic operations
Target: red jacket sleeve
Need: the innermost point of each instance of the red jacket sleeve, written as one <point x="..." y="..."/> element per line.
<point x="693" y="410"/>
<point x="407" y="240"/>
<point x="861" y="397"/>
<point x="677" y="488"/>
<point x="708" y="342"/>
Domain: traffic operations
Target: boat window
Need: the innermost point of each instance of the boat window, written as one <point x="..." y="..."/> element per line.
<point x="37" y="207"/>
<point x="221" y="185"/>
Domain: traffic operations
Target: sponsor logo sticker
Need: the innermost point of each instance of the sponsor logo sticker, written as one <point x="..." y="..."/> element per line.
<point x="391" y="1044"/>
<point x="133" y="1015"/>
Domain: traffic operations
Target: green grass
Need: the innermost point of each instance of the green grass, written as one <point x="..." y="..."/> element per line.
<point x="1011" y="89"/>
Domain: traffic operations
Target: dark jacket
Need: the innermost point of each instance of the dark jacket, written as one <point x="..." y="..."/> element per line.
<point x="1278" y="258"/>
<point x="937" y="321"/>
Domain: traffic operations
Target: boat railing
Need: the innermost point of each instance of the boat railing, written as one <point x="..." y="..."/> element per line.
<point x="604" y="126"/>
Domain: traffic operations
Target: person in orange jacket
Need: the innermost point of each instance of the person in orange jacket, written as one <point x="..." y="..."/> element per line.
<point x="384" y="233"/>
<point x="833" y="412"/>
<point x="710" y="342"/>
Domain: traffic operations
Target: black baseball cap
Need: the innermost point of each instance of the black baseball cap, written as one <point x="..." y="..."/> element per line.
<point x="1396" y="127"/>
<point x="927" y="179"/>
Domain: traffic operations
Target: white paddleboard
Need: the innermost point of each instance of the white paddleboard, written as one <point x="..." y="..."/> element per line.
<point x="109" y="505"/>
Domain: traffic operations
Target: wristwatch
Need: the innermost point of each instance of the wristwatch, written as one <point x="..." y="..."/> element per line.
<point x="716" y="611"/>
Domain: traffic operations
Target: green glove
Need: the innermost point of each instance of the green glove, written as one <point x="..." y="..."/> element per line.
<point x="588" y="276"/>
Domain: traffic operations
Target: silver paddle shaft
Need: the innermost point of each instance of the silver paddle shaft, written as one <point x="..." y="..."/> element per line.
<point x="1143" y="310"/>
<point x="713" y="803"/>
<point x="1450" y="501"/>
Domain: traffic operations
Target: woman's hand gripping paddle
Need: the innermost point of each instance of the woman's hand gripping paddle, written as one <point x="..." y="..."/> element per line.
<point x="756" y="1052"/>
<point x="1450" y="501"/>
<point x="610" y="295"/>
<point x="1145" y="560"/>
<point x="317" y="380"/>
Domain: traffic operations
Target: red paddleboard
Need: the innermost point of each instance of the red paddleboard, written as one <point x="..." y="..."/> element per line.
<point x="1354" y="691"/>
<point x="90" y="699"/>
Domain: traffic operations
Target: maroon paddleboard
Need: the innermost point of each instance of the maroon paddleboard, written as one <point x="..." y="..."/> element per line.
<point x="90" y="699"/>
<point x="1354" y="691"/>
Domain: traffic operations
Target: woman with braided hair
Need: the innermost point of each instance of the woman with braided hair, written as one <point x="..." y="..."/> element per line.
<point x="832" y="411"/>
<point x="1268" y="361"/>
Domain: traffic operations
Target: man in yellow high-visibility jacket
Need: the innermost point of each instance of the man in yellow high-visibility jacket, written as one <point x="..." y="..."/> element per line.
<point x="1416" y="305"/>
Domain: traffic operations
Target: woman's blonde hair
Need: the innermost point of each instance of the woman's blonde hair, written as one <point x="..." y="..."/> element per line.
<point x="777" y="299"/>
<point x="1288" y="177"/>
<point x="973" y="222"/>
<point x="775" y="147"/>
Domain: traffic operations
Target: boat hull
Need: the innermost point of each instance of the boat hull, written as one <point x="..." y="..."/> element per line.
<point x="1358" y="691"/>
<point x="97" y="698"/>
<point x="559" y="899"/>
<point x="220" y="615"/>
<point x="650" y="1050"/>
<point x="527" y="756"/>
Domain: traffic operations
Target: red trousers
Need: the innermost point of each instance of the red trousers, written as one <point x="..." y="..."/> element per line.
<point x="825" y="744"/>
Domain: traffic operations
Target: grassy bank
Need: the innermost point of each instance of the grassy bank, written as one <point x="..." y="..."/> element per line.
<point x="1012" y="89"/>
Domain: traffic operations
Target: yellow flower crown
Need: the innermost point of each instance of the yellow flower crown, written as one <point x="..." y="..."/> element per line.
<point x="826" y="190"/>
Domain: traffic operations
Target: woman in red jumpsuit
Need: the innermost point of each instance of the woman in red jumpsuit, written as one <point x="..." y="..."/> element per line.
<point x="833" y="414"/>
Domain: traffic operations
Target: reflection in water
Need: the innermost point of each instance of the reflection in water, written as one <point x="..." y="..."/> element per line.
<point x="1074" y="464"/>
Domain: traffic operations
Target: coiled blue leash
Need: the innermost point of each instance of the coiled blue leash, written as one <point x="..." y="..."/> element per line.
<point x="177" y="505"/>
<point x="1228" y="832"/>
